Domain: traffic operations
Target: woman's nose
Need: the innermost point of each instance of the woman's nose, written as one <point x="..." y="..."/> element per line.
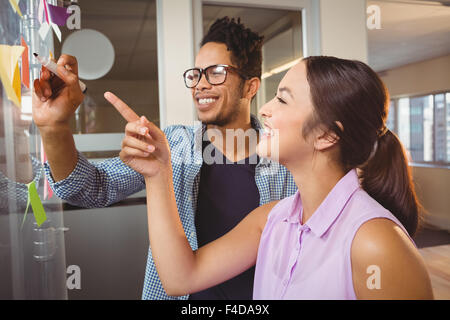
<point x="265" y="111"/>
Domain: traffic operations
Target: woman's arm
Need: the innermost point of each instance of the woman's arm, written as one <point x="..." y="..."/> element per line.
<point x="386" y="265"/>
<point x="146" y="150"/>
<point x="182" y="270"/>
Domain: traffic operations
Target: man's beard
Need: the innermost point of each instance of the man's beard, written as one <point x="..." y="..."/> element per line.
<point x="224" y="118"/>
<point x="228" y="116"/>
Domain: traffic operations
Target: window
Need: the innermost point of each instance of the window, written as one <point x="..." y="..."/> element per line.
<point x="423" y="126"/>
<point x="390" y="122"/>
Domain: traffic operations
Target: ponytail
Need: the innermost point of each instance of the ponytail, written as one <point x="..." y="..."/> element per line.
<point x="387" y="178"/>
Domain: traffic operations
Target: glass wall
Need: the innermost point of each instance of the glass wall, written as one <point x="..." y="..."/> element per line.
<point x="115" y="235"/>
<point x="32" y="256"/>
<point x="133" y="75"/>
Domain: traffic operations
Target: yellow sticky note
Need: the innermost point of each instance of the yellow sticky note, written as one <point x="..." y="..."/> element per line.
<point x="16" y="84"/>
<point x="15" y="6"/>
<point x="9" y="72"/>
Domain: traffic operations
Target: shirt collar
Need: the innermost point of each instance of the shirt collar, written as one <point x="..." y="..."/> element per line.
<point x="330" y="208"/>
<point x="199" y="131"/>
<point x="254" y="122"/>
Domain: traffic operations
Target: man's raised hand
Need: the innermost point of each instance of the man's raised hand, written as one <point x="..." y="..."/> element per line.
<point x="55" y="99"/>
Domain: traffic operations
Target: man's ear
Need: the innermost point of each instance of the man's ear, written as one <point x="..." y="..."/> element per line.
<point x="252" y="86"/>
<point x="327" y="139"/>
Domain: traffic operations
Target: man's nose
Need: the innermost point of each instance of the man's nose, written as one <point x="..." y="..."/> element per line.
<point x="203" y="83"/>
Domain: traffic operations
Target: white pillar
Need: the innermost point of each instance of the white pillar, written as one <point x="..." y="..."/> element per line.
<point x="175" y="55"/>
<point x="343" y="29"/>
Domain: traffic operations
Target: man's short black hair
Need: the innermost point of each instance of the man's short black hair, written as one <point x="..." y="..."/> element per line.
<point x="244" y="44"/>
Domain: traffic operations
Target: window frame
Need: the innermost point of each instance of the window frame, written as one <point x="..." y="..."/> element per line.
<point x="395" y="105"/>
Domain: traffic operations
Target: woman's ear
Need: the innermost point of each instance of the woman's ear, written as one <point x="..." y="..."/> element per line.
<point x="327" y="139"/>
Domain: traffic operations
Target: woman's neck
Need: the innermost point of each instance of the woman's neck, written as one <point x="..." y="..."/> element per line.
<point x="314" y="181"/>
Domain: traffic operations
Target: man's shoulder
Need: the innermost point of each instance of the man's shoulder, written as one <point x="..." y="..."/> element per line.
<point x="185" y="144"/>
<point x="178" y="130"/>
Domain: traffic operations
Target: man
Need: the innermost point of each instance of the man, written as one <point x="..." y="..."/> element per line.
<point x="212" y="196"/>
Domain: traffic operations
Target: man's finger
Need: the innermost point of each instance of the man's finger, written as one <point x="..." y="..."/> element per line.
<point x="154" y="131"/>
<point x="69" y="61"/>
<point x="127" y="113"/>
<point x="38" y="91"/>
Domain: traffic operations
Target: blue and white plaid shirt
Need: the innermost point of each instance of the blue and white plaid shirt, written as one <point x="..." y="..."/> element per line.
<point x="101" y="184"/>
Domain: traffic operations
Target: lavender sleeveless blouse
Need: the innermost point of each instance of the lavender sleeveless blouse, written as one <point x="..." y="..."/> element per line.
<point x="313" y="261"/>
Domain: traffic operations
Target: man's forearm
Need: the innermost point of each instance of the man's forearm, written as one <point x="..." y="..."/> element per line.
<point x="59" y="147"/>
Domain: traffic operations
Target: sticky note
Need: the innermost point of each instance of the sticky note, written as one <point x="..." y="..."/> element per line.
<point x="36" y="204"/>
<point x="58" y="15"/>
<point x="54" y="16"/>
<point x="43" y="30"/>
<point x="25" y="64"/>
<point x="38" y="209"/>
<point x="10" y="73"/>
<point x="16" y="85"/>
<point x="15" y="6"/>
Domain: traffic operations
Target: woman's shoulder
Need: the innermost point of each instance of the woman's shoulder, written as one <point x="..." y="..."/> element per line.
<point x="382" y="248"/>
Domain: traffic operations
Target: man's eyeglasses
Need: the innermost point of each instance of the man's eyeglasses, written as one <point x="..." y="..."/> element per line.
<point x="215" y="75"/>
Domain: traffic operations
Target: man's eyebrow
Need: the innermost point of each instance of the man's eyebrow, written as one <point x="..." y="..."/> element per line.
<point x="286" y="90"/>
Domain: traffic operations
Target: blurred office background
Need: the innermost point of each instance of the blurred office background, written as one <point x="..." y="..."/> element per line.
<point x="154" y="41"/>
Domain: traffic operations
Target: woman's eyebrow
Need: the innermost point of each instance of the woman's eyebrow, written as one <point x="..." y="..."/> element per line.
<point x="287" y="90"/>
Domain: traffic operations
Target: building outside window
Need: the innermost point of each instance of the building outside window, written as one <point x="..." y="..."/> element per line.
<point x="423" y="126"/>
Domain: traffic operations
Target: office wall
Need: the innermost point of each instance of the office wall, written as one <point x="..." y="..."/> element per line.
<point x="418" y="78"/>
<point x="432" y="186"/>
<point x="110" y="246"/>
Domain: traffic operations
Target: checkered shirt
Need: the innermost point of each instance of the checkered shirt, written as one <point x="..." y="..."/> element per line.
<point x="101" y="184"/>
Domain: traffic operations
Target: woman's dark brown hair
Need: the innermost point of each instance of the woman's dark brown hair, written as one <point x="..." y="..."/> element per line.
<point x="350" y="92"/>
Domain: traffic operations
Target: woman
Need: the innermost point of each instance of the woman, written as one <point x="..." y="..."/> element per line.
<point x="344" y="235"/>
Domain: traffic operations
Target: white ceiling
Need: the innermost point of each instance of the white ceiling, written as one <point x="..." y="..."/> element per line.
<point x="410" y="31"/>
